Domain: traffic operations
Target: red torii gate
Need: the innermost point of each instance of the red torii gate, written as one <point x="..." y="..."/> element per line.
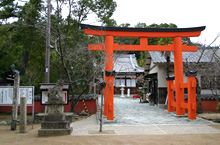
<point x="144" y="33"/>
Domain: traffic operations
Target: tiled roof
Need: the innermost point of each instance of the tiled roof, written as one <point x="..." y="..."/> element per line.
<point x="157" y="57"/>
<point x="126" y="63"/>
<point x="203" y="97"/>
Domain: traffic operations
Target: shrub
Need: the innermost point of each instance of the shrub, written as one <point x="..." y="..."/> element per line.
<point x="218" y="108"/>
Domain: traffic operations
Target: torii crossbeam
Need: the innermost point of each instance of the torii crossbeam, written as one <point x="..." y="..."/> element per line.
<point x="144" y="33"/>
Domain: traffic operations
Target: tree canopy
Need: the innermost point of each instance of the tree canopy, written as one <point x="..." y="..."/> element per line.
<point x="22" y="41"/>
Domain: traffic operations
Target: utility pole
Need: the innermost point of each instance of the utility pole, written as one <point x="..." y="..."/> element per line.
<point x="47" y="66"/>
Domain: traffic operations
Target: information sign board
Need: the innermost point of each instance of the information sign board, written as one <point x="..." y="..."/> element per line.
<point x="6" y="95"/>
<point x="45" y="97"/>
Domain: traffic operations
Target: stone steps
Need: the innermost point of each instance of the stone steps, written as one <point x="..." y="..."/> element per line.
<point x="54" y="132"/>
<point x="55" y="125"/>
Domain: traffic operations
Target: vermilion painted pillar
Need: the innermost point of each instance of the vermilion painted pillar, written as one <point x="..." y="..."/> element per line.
<point x="178" y="68"/>
<point x="109" y="89"/>
<point x="191" y="97"/>
<point x="170" y="95"/>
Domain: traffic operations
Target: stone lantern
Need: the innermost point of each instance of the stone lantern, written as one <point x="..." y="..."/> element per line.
<point x="122" y="90"/>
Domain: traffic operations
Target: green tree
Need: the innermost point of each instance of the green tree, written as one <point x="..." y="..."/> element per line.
<point x="8" y="9"/>
<point x="71" y="44"/>
<point x="23" y="42"/>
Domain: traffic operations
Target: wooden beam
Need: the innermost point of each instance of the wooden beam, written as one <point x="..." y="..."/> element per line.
<point x="117" y="47"/>
<point x="183" y="85"/>
<point x="141" y="34"/>
<point x="184" y="105"/>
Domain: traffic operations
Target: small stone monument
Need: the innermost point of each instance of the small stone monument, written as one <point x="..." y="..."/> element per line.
<point x="23" y="115"/>
<point x="122" y="90"/>
<point x="128" y="92"/>
<point x="55" y="123"/>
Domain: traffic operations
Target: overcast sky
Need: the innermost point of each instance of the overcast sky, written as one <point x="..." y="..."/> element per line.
<point x="183" y="13"/>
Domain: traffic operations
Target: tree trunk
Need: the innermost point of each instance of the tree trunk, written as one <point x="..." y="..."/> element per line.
<point x="25" y="62"/>
<point x="168" y="65"/>
<point x="198" y="90"/>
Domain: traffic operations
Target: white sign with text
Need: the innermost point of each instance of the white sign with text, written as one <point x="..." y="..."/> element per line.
<point x="6" y="95"/>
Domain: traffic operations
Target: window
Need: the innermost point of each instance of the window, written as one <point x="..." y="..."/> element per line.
<point x="133" y="83"/>
<point x="122" y="81"/>
<point x="119" y="82"/>
<point x="129" y="82"/>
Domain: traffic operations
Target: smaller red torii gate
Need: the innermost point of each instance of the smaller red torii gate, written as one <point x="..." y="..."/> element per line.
<point x="144" y="33"/>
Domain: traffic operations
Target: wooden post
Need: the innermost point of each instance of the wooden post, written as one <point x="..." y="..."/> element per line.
<point x="109" y="89"/>
<point x="170" y="94"/>
<point x="23" y="114"/>
<point x="15" y="101"/>
<point x="178" y="67"/>
<point x="191" y="81"/>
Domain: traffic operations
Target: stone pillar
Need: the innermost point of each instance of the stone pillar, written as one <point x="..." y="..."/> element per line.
<point x="15" y="101"/>
<point x="23" y="114"/>
<point x="128" y="93"/>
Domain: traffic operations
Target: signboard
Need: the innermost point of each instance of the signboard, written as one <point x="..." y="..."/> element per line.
<point x="44" y="97"/>
<point x="6" y="95"/>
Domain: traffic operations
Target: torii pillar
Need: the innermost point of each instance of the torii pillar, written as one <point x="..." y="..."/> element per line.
<point x="109" y="79"/>
<point x="178" y="69"/>
<point x="144" y="33"/>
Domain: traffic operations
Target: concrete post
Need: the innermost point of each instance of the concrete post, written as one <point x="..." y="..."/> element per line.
<point x="23" y="114"/>
<point x="15" y="101"/>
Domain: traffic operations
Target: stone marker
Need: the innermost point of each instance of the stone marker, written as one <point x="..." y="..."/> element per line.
<point x="15" y="101"/>
<point x="23" y="114"/>
<point x="55" y="123"/>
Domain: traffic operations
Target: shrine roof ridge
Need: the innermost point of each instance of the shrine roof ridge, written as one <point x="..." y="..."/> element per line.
<point x="93" y="27"/>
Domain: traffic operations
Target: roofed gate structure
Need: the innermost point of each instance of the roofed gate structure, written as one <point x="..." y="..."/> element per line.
<point x="144" y="33"/>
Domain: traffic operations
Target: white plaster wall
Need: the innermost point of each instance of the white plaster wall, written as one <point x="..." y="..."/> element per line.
<point x="161" y="74"/>
<point x="154" y="70"/>
<point x="184" y="78"/>
<point x="162" y="82"/>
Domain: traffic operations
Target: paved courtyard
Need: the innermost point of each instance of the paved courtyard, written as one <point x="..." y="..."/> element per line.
<point x="135" y="118"/>
<point x="131" y="112"/>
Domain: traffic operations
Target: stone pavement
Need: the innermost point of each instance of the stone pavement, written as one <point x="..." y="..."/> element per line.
<point x="135" y="118"/>
<point x="129" y="111"/>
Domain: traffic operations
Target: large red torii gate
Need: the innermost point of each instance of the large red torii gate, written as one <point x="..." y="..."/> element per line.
<point x="144" y="33"/>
